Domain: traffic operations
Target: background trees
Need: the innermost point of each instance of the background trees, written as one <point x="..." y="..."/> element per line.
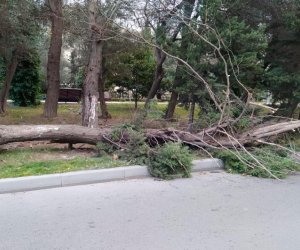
<point x="210" y="51"/>
<point x="25" y="89"/>
<point x="19" y="33"/>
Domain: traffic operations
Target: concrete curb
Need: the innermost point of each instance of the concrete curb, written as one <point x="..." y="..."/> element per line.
<point x="29" y="183"/>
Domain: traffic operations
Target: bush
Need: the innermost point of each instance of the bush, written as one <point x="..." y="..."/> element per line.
<point x="25" y="86"/>
<point x="278" y="162"/>
<point x="170" y="161"/>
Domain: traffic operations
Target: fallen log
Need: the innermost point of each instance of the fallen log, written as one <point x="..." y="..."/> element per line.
<point x="78" y="134"/>
<point x="57" y="133"/>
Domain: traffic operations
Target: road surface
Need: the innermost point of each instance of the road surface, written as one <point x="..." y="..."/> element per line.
<point x="209" y="211"/>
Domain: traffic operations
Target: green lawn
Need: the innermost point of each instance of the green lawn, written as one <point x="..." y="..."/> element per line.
<point x="37" y="161"/>
<point x="70" y="114"/>
<point x="26" y="162"/>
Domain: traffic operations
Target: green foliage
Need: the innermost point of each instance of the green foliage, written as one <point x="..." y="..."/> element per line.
<point x="104" y="148"/>
<point x="134" y="71"/>
<point x="243" y="123"/>
<point x="128" y="144"/>
<point x="136" y="149"/>
<point x="242" y="46"/>
<point x="284" y="85"/>
<point x="25" y="86"/>
<point x="208" y="117"/>
<point x="282" y="76"/>
<point x="171" y="160"/>
<point x="278" y="162"/>
<point x="19" y="25"/>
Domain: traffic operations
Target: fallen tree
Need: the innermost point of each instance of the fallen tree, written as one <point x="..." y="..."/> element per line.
<point x="216" y="137"/>
<point x="55" y="133"/>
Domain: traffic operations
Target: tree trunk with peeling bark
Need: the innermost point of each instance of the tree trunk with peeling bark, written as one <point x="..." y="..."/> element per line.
<point x="53" y="66"/>
<point x="91" y="82"/>
<point x="7" y="82"/>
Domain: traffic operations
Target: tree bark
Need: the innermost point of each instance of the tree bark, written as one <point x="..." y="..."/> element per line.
<point x="158" y="76"/>
<point x="91" y="82"/>
<point x="135" y="100"/>
<point x="101" y="83"/>
<point x="53" y="65"/>
<point x="103" y="107"/>
<point x="80" y="134"/>
<point x="185" y="41"/>
<point x="8" y="79"/>
<point x="192" y="114"/>
<point x="55" y="133"/>
<point x="172" y="105"/>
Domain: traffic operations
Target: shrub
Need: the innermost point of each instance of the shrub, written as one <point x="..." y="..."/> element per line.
<point x="278" y="162"/>
<point x="25" y="87"/>
<point x="171" y="160"/>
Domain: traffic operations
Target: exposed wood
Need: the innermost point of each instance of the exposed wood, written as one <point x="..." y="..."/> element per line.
<point x="91" y="82"/>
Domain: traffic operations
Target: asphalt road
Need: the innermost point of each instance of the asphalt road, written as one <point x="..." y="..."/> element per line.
<point x="208" y="211"/>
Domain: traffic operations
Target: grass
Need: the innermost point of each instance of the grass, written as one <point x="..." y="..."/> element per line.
<point x="70" y="114"/>
<point x="38" y="161"/>
<point x="23" y="162"/>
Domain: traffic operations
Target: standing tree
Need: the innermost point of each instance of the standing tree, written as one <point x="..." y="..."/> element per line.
<point x="188" y="6"/>
<point x="90" y="85"/>
<point x="53" y="66"/>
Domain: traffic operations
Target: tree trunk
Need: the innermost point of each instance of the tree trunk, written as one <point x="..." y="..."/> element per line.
<point x="292" y="107"/>
<point x="8" y="79"/>
<point x="53" y="66"/>
<point x="79" y="134"/>
<point x="55" y="133"/>
<point x="91" y="82"/>
<point x="192" y="114"/>
<point x="172" y="105"/>
<point x="158" y="76"/>
<point x="101" y="83"/>
<point x="136" y="100"/>
<point x="103" y="106"/>
<point x="185" y="41"/>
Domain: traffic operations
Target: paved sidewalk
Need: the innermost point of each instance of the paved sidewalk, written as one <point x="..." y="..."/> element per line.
<point x="209" y="211"/>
